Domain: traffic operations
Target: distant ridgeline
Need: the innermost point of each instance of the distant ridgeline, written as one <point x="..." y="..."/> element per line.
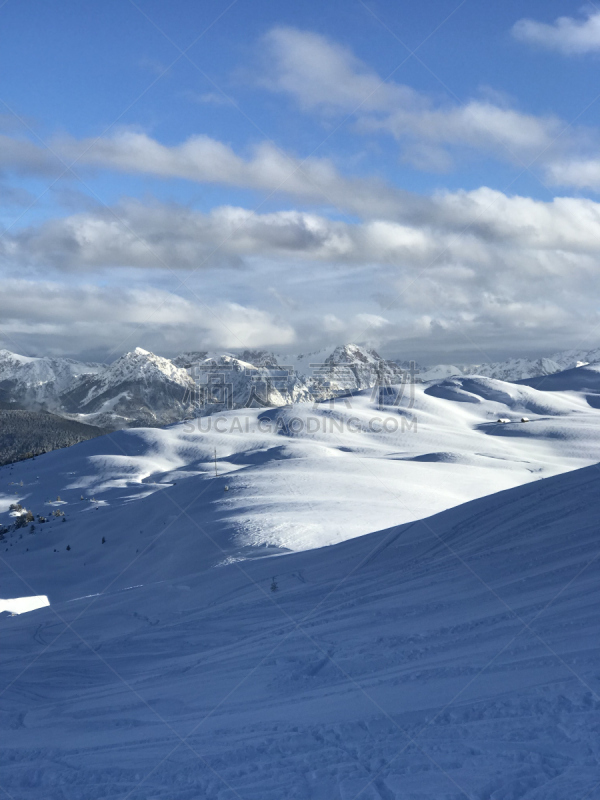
<point x="143" y="389"/>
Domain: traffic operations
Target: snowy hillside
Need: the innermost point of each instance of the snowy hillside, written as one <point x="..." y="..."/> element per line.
<point x="584" y="379"/>
<point x="307" y="476"/>
<point x="451" y="657"/>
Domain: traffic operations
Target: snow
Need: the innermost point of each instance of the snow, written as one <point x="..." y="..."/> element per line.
<point x="20" y="605"/>
<point x="143" y="388"/>
<point x="433" y="633"/>
<point x="306" y="476"/>
<point x="36" y="381"/>
<point x="454" y="657"/>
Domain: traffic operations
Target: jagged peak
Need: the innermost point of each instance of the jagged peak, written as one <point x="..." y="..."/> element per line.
<point x="354" y="352"/>
<point x="140" y="364"/>
<point x="259" y="358"/>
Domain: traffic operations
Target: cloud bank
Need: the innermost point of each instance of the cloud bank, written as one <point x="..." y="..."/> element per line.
<point x="106" y="321"/>
<point x="482" y="269"/>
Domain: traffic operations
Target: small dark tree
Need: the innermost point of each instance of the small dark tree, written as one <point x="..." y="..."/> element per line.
<point x="68" y="547"/>
<point x="274" y="586"/>
<point x="32" y="529"/>
<point x="103" y="540"/>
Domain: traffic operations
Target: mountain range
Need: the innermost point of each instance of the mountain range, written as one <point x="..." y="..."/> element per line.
<point x="144" y="389"/>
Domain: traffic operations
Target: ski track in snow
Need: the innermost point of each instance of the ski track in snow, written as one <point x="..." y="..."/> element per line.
<point x="443" y="657"/>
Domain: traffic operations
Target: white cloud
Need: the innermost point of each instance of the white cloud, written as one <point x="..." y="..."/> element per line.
<point x="172" y="237"/>
<point x="54" y="316"/>
<point x="565" y="223"/>
<point x="478" y="266"/>
<point x="323" y="76"/>
<point x="320" y="73"/>
<point x="372" y="321"/>
<point x="206" y="160"/>
<point x="267" y="169"/>
<point x="314" y="181"/>
<point x="464" y="228"/>
<point x="583" y="173"/>
<point x="568" y="35"/>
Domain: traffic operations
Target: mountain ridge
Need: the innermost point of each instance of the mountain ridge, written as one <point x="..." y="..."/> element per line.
<point x="143" y="388"/>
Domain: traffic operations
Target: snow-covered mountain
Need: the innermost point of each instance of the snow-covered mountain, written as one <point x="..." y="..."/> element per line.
<point x="225" y="382"/>
<point x="142" y="388"/>
<point x="38" y="383"/>
<point x="568" y="359"/>
<point x="514" y="369"/>
<point x="348" y="369"/>
<point x="201" y="640"/>
<point x="138" y="388"/>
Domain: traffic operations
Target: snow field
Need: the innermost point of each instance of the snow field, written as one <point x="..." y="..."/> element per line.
<point x="452" y="652"/>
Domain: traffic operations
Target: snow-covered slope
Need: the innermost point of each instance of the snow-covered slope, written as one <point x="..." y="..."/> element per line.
<point x="454" y="657"/>
<point x="307" y="476"/>
<point x="584" y="379"/>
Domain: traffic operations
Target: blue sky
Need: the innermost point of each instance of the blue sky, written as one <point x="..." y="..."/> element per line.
<point x="422" y="178"/>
